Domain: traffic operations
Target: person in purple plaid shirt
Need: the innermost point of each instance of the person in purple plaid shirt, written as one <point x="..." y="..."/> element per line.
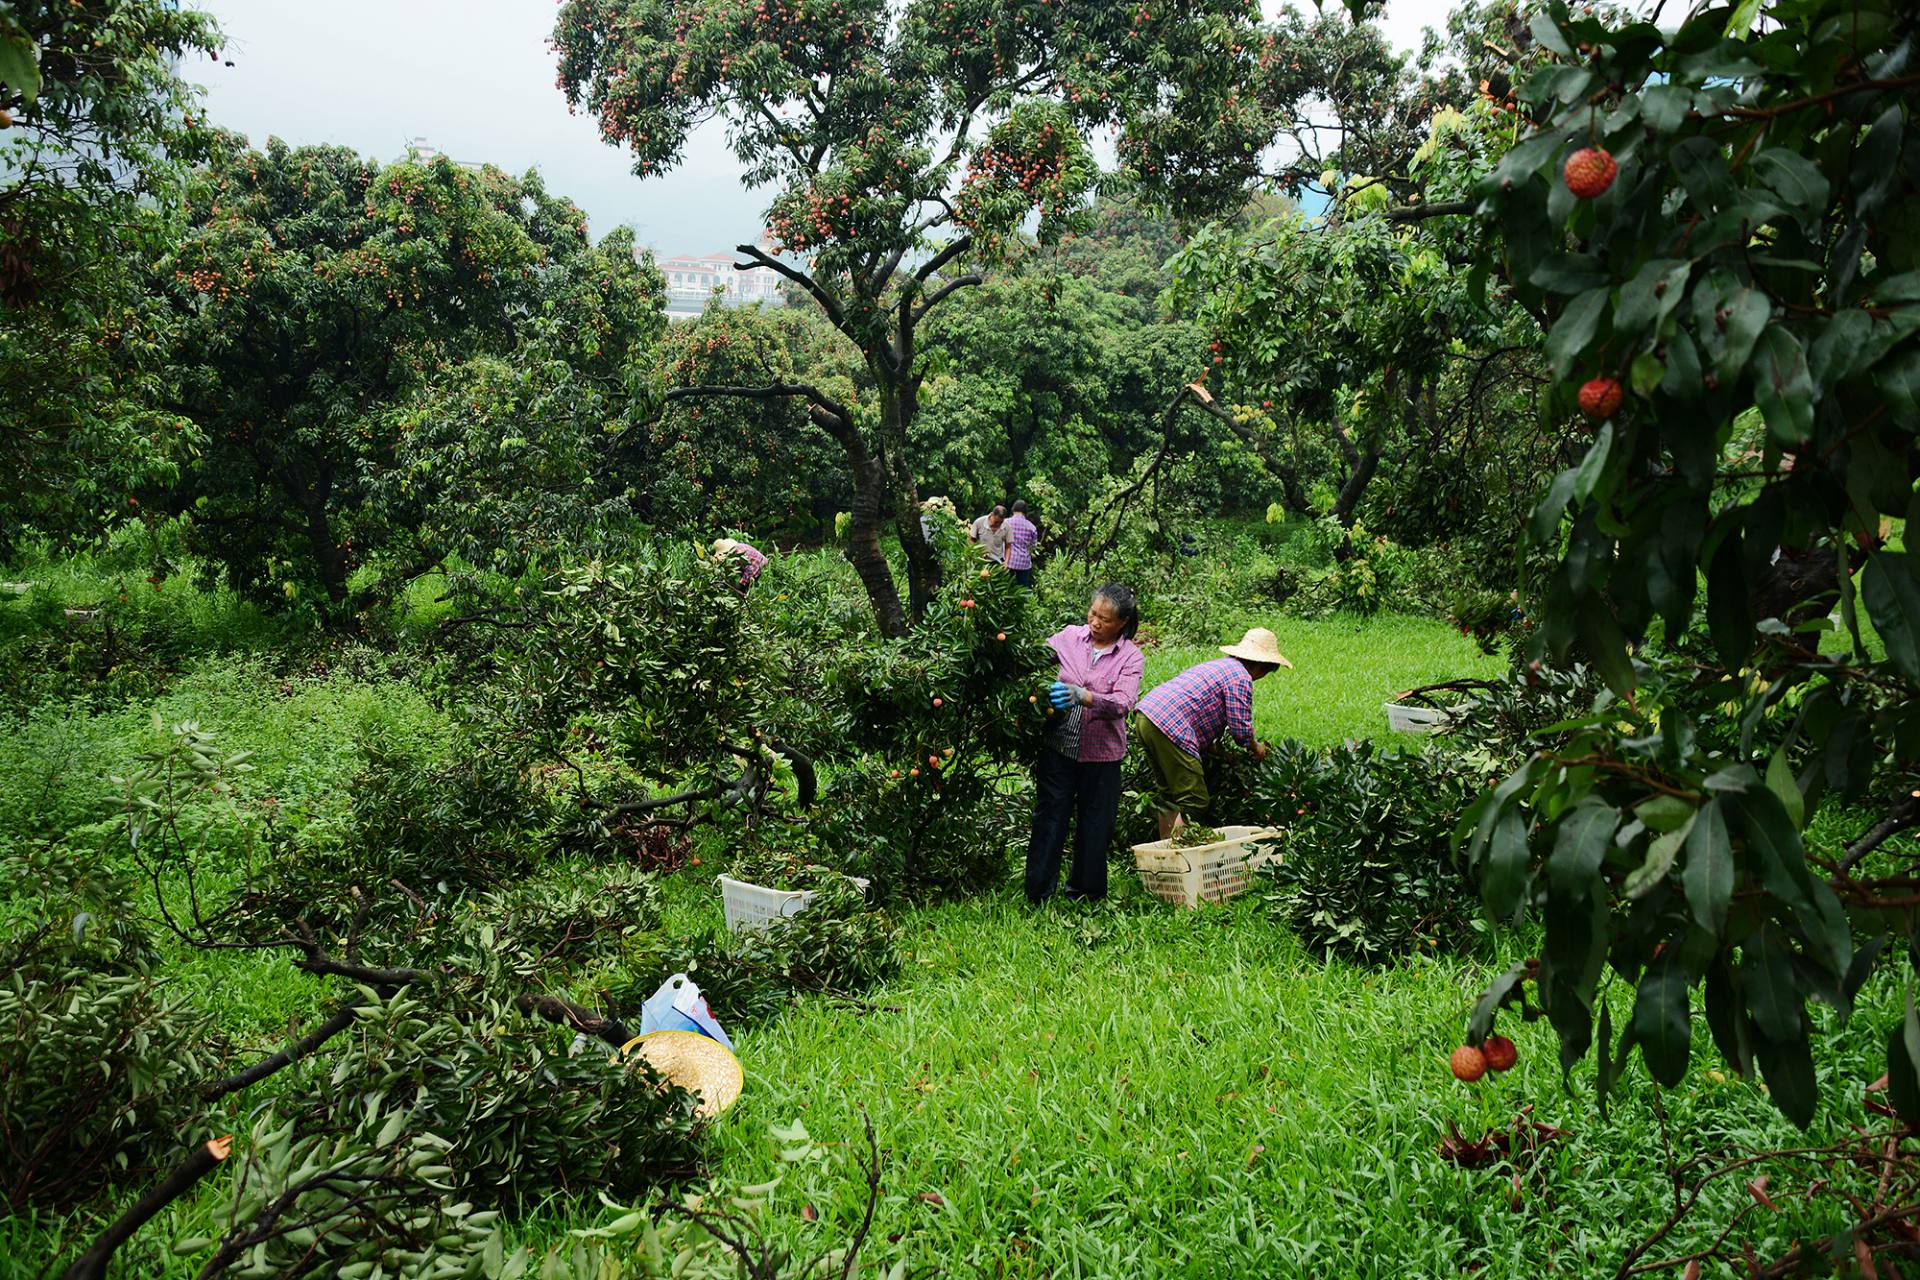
<point x="752" y="562"/>
<point x="1021" y="535"/>
<point x="1077" y="780"/>
<point x="1179" y="721"/>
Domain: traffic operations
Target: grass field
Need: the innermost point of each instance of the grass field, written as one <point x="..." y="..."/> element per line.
<point x="1121" y="1090"/>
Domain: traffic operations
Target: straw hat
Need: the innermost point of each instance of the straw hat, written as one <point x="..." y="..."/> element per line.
<point x="1258" y="645"/>
<point x="697" y="1063"/>
<point x="725" y="546"/>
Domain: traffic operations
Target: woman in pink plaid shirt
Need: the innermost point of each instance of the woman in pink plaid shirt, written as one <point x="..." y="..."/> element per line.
<point x="1078" y="778"/>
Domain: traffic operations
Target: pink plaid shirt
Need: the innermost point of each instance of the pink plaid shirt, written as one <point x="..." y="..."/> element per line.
<point x="1021" y="535"/>
<point x="1114" y="681"/>
<point x="1200" y="703"/>
<point x="755" y="562"/>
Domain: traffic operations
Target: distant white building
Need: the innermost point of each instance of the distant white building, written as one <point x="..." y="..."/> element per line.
<point x="692" y="281"/>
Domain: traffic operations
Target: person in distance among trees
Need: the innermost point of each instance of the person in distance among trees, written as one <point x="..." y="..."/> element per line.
<point x="989" y="532"/>
<point x="752" y="562"/>
<point x="1179" y="721"/>
<point x="1021" y="535"/>
<point x="1078" y="777"/>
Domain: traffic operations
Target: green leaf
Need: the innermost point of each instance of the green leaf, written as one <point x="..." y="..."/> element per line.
<point x="1892" y="593"/>
<point x="1729" y="604"/>
<point x="1708" y="876"/>
<point x="1747" y="312"/>
<point x="1899" y="381"/>
<point x="1548" y="33"/>
<point x="1781" y="782"/>
<point x="1646" y="374"/>
<point x="1795" y="179"/>
<point x="1665" y="106"/>
<point x="1788" y="1069"/>
<point x="1773" y="997"/>
<point x="1661" y="851"/>
<point x="19" y="61"/>
<point x="1664" y="813"/>
<point x="1903" y="1065"/>
<point x="1574" y="330"/>
<point x="1782" y="386"/>
<point x="1593" y="464"/>
<point x="1546" y="516"/>
<point x="1727" y="1017"/>
<point x="1505" y="876"/>
<point x="1660" y="1019"/>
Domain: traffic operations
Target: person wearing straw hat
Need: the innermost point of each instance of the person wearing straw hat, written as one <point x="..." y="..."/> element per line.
<point x="752" y="561"/>
<point x="1178" y="721"/>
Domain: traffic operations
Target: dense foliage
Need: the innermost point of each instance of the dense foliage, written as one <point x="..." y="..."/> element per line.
<point x="93" y="134"/>
<point x="1733" y="315"/>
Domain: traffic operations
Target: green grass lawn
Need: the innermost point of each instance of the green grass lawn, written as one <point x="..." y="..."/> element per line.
<point x="1124" y="1090"/>
<point x="1344" y="668"/>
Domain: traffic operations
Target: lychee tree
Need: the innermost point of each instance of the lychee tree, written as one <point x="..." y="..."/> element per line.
<point x="906" y="145"/>
<point x="97" y="124"/>
<point x="1719" y="221"/>
<point x="312" y="292"/>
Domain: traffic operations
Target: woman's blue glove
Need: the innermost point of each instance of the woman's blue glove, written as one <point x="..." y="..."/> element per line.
<point x="1063" y="695"/>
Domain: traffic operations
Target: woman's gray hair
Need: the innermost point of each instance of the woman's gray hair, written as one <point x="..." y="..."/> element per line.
<point x="1124" y="606"/>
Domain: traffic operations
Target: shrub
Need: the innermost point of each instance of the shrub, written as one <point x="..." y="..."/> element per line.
<point x="574" y="914"/>
<point x="98" y="1075"/>
<point x="521" y="1116"/>
<point x="1367" y="870"/>
<point x="838" y="945"/>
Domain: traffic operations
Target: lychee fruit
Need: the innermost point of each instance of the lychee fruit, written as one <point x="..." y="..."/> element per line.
<point x="1499" y="1052"/>
<point x="1001" y="635"/>
<point x="938" y="703"/>
<point x="1600" y="398"/>
<point x="984" y="573"/>
<point x="914" y="772"/>
<point x="1468" y="1063"/>
<point x="1589" y="172"/>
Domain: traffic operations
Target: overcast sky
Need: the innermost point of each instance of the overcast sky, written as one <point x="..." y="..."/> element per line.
<point x="474" y="78"/>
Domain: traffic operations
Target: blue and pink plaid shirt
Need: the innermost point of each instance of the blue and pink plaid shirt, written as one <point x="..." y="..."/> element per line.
<point x="1097" y="732"/>
<point x="755" y="562"/>
<point x="1200" y="703"/>
<point x="1021" y="535"/>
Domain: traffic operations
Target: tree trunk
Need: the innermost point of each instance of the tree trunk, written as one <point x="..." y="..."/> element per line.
<point x="897" y="407"/>
<point x="863" y="546"/>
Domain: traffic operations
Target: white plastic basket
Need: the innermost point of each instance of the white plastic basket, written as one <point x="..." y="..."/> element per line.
<point x="1402" y="718"/>
<point x="749" y="906"/>
<point x="1205" y="872"/>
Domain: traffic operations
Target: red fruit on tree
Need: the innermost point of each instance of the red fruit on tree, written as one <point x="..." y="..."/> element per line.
<point x="1468" y="1063"/>
<point x="938" y="703"/>
<point x="1499" y="1052"/>
<point x="1600" y="398"/>
<point x="1589" y="172"/>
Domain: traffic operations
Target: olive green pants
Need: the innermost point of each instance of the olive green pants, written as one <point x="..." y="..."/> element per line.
<point x="1180" y="780"/>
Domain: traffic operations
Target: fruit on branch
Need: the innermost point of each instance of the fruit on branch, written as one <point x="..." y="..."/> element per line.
<point x="1589" y="172"/>
<point x="1468" y="1063"/>
<point x="1499" y="1052"/>
<point x="1600" y="398"/>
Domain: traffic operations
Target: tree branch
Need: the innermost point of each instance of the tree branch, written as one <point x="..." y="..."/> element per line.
<point x="939" y="295"/>
<point x="298" y="1049"/>
<point x="199" y="1162"/>
<point x="826" y="300"/>
<point x="1421" y="212"/>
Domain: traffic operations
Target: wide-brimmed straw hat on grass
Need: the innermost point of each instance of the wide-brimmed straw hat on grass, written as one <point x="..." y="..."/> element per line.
<point x="1258" y="645"/>
<point x="701" y="1065"/>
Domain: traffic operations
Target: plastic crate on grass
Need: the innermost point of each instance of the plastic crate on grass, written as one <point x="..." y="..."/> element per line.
<point x="1405" y="719"/>
<point x="749" y="906"/>
<point x="1205" y="872"/>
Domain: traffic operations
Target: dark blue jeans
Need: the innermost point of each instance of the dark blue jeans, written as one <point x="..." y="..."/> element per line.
<point x="1023" y="576"/>
<point x="1062" y="788"/>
